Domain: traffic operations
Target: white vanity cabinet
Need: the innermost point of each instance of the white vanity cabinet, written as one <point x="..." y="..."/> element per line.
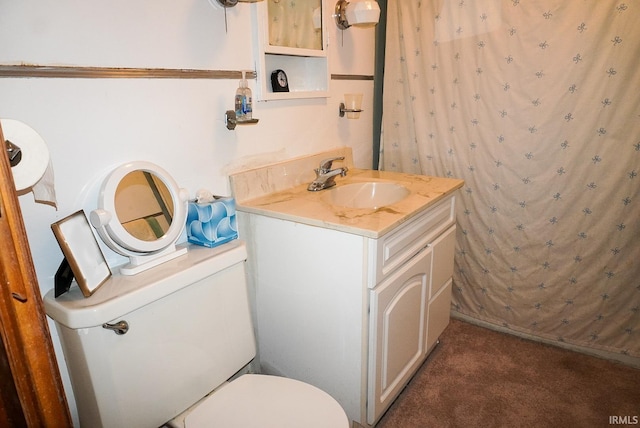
<point x="353" y="315"/>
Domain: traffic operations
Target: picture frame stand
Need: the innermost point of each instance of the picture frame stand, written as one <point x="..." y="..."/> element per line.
<point x="63" y="278"/>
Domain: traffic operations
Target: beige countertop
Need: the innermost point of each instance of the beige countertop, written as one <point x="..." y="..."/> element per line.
<point x="313" y="208"/>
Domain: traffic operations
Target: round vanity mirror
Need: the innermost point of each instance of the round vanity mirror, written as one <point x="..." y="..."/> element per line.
<point x="143" y="205"/>
<point x="141" y="214"/>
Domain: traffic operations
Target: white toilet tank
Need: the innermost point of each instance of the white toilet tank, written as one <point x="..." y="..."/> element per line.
<point x="189" y="330"/>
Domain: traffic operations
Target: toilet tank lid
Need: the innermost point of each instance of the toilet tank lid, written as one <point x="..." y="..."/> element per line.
<point x="123" y="294"/>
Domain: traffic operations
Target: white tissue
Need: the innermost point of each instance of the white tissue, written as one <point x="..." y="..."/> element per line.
<point x="204" y="196"/>
<point x="34" y="172"/>
<point x="44" y="190"/>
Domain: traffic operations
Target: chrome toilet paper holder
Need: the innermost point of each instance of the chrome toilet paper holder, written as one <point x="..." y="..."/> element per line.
<point x="14" y="152"/>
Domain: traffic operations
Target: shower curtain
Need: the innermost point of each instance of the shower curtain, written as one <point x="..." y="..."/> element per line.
<point x="536" y="105"/>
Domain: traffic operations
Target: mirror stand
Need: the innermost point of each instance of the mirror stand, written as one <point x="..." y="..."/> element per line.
<point x="140" y="263"/>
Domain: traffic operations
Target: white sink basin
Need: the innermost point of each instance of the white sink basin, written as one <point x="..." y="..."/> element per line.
<point x="374" y="194"/>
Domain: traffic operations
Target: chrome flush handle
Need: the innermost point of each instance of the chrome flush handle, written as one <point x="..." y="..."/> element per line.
<point x="121" y="327"/>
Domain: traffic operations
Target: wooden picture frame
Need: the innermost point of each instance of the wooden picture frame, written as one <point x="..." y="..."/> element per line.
<point x="82" y="252"/>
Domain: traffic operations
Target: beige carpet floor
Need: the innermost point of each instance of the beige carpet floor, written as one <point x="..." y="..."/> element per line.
<point x="478" y="377"/>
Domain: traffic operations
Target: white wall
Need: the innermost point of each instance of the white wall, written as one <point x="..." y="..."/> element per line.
<point x="94" y="125"/>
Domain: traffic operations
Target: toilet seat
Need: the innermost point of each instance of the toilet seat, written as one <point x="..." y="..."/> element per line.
<point x="267" y="402"/>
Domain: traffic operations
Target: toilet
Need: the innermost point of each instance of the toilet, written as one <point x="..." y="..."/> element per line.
<point x="168" y="346"/>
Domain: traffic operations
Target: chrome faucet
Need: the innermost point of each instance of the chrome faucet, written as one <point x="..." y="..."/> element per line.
<point x="325" y="176"/>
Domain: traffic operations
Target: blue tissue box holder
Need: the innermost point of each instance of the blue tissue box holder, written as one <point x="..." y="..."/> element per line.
<point x="212" y="223"/>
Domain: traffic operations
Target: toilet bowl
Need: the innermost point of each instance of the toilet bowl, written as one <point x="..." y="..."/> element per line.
<point x="188" y="332"/>
<point x="262" y="401"/>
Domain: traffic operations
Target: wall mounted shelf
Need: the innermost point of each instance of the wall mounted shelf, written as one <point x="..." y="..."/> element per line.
<point x="307" y="69"/>
<point x="232" y="121"/>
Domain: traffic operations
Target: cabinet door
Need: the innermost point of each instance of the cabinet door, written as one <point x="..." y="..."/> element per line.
<point x="443" y="252"/>
<point x="439" y="315"/>
<point x="398" y="316"/>
<point x="440" y="290"/>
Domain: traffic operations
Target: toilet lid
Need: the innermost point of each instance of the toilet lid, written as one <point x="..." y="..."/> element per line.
<point x="268" y="402"/>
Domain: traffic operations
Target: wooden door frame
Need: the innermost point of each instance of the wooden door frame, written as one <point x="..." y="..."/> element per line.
<point x="34" y="395"/>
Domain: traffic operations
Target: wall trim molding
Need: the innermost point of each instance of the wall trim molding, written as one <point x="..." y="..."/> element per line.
<point x="71" y="72"/>
<point x="67" y="72"/>
<point x="351" y="77"/>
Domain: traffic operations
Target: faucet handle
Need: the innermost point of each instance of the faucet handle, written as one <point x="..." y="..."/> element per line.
<point x="325" y="164"/>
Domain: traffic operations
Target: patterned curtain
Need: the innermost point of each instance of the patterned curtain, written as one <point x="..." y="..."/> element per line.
<point x="536" y="105"/>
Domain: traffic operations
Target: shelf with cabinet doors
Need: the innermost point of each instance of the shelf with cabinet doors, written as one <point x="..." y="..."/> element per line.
<point x="291" y="37"/>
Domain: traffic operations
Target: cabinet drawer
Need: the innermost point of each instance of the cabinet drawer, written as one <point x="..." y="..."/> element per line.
<point x="393" y="249"/>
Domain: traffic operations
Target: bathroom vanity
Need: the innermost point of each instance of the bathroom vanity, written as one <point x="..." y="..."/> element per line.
<point x="349" y="298"/>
